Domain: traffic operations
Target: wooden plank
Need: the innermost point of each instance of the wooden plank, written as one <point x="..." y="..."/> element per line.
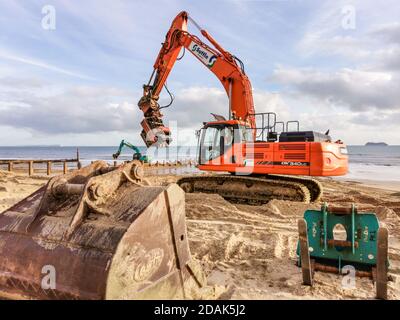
<point x="304" y="253"/>
<point x="10" y="163"/>
<point x="381" y="264"/>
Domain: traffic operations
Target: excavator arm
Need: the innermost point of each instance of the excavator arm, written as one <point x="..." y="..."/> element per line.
<point x="226" y="67"/>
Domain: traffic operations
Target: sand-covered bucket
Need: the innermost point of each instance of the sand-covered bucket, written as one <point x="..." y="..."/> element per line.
<point x="98" y="233"/>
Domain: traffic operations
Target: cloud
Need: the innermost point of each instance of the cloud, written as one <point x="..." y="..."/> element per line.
<point x="358" y="90"/>
<point x="327" y="33"/>
<point x="194" y="105"/>
<point x="384" y="118"/>
<point x="80" y="109"/>
<point x="86" y="109"/>
<point x="14" y="82"/>
<point x="363" y="75"/>
<point x="326" y="74"/>
<point x="388" y="31"/>
<point x="37" y="63"/>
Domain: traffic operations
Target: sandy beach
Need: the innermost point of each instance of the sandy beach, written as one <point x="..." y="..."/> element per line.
<point x="249" y="252"/>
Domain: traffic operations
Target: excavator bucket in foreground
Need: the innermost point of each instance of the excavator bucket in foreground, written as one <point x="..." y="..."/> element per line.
<point x="98" y="233"/>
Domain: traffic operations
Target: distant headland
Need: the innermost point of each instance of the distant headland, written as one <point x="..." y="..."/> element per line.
<point x="376" y="144"/>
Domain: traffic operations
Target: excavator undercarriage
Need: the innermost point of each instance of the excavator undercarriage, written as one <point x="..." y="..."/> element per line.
<point x="98" y="233"/>
<point x="254" y="190"/>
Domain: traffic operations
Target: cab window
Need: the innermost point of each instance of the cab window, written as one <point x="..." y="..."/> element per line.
<point x="215" y="141"/>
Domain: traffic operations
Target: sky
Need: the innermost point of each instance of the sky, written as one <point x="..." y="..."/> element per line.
<point x="71" y="72"/>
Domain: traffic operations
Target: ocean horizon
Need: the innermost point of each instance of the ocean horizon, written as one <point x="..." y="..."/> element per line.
<point x="365" y="162"/>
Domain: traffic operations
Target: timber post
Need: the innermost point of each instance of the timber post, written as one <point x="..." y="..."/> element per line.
<point x="30" y="167"/>
<point x="48" y="168"/>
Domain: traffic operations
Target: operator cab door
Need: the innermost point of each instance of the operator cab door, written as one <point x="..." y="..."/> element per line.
<point x="218" y="145"/>
<point x="210" y="145"/>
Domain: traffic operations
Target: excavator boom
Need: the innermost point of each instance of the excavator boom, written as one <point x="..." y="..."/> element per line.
<point x="226" y="67"/>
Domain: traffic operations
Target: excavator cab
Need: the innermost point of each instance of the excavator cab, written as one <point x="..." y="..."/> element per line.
<point x="216" y="138"/>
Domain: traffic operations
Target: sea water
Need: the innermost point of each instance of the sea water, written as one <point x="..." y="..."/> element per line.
<point x="365" y="162"/>
<point x="374" y="163"/>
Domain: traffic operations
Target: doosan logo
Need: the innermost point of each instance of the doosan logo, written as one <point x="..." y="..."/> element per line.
<point x="207" y="57"/>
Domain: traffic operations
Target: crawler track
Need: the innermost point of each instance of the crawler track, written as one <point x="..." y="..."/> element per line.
<point x="313" y="186"/>
<point x="253" y="190"/>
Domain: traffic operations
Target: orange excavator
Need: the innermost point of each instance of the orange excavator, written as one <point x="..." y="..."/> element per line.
<point x="264" y="159"/>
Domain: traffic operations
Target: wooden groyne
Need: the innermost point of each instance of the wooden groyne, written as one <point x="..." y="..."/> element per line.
<point x="46" y="167"/>
<point x="29" y="164"/>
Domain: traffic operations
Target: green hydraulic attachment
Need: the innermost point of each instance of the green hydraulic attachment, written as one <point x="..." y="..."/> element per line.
<point x="136" y="156"/>
<point x="335" y="239"/>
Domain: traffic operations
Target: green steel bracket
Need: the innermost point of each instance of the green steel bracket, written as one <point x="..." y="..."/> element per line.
<point x="361" y="243"/>
<point x="360" y="246"/>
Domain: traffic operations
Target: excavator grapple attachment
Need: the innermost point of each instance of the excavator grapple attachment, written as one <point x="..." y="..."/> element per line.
<point x="154" y="132"/>
<point x="98" y="233"/>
